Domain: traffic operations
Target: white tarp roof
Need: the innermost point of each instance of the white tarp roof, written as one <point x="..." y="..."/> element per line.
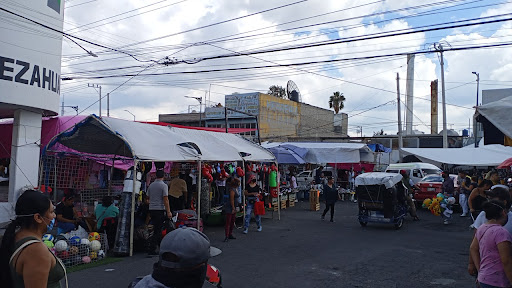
<point x="498" y="113"/>
<point x="323" y="152"/>
<point x="488" y="155"/>
<point x="250" y="151"/>
<point x="148" y="142"/>
<point x="378" y="178"/>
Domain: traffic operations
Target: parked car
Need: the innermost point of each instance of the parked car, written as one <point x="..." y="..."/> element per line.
<point x="415" y="170"/>
<point x="430" y="185"/>
<point x="305" y="178"/>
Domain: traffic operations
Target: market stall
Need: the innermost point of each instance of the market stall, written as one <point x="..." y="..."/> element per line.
<point x="485" y="155"/>
<point x="142" y="142"/>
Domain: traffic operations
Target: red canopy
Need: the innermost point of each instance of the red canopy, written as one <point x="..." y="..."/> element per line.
<point x="222" y="130"/>
<point x="506" y="164"/>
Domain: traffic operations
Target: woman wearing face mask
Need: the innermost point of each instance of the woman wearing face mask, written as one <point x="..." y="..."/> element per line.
<point x="491" y="248"/>
<point x="24" y="260"/>
<point x="252" y="193"/>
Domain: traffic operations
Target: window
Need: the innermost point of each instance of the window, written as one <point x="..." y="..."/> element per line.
<point x="253" y="125"/>
<point x="416" y="173"/>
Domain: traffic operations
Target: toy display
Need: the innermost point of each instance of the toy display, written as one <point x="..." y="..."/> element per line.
<point x="48" y="237"/>
<point x="61" y="245"/>
<point x="85" y="242"/>
<point x="75" y="240"/>
<point x="49" y="244"/>
<point x="86" y="259"/>
<point x="95" y="245"/>
<point x="94" y="236"/>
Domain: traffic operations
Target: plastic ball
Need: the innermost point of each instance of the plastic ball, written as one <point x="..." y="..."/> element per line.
<point x="61" y="245"/>
<point x="74" y="241"/>
<point x="94" y="255"/>
<point x="63" y="254"/>
<point x="49" y="244"/>
<point x="60" y="237"/>
<point x="73" y="250"/>
<point x="94" y="236"/>
<point x="86" y="259"/>
<point x="85" y="242"/>
<point x="48" y="237"/>
<point x="95" y="245"/>
<point x="450" y="200"/>
<point x="101" y="254"/>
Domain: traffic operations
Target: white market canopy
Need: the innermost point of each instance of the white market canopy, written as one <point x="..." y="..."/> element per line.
<point x="498" y="113"/>
<point x="378" y="178"/>
<point x="485" y="155"/>
<point x="323" y="152"/>
<point x="147" y="142"/>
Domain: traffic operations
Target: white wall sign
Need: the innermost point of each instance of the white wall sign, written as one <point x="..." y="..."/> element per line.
<point x="30" y="55"/>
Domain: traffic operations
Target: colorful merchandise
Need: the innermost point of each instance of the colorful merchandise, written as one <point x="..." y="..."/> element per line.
<point x="94" y="236"/>
<point x="61" y="245"/>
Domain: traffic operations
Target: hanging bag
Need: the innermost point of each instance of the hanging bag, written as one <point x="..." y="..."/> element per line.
<point x="259" y="208"/>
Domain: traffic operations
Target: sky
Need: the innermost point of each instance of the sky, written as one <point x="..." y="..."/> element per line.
<point x="141" y="35"/>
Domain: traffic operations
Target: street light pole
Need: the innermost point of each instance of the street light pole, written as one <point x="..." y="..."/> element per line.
<point x="475" y="129"/>
<point x="132" y="114"/>
<point x="200" y="99"/>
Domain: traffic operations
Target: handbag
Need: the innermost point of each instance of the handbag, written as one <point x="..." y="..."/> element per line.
<point x="259" y="208"/>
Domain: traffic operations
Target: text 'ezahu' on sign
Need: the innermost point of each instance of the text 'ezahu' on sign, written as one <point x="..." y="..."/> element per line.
<point x="29" y="74"/>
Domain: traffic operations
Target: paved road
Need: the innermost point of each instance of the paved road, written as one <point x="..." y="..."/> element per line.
<point x="300" y="250"/>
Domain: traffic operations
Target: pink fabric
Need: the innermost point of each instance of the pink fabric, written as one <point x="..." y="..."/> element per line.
<point x="491" y="269"/>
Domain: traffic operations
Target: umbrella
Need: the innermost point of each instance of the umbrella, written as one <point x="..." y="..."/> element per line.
<point x="505" y="164"/>
<point x="286" y="156"/>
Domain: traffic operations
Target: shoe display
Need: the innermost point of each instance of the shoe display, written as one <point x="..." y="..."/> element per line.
<point x="260" y="228"/>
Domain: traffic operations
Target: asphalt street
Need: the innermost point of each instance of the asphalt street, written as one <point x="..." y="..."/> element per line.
<point x="300" y="250"/>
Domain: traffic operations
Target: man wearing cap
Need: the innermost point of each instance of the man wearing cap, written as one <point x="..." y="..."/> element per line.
<point x="183" y="260"/>
<point x="158" y="205"/>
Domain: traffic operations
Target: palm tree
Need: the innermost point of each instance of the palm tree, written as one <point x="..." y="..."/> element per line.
<point x="336" y="101"/>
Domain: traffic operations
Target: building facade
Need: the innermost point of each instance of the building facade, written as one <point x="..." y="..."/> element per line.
<point x="276" y="118"/>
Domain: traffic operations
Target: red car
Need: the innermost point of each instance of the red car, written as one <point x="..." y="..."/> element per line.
<point x="429" y="186"/>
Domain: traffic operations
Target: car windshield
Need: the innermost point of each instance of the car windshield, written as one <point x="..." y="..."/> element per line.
<point x="431" y="171"/>
<point x="432" y="178"/>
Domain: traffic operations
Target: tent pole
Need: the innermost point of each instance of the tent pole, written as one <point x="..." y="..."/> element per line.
<point x="278" y="193"/>
<point x="243" y="187"/>
<point x="199" y="188"/>
<point x="55" y="181"/>
<point x="134" y="175"/>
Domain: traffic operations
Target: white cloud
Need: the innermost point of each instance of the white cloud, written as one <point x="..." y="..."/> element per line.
<point x="147" y="101"/>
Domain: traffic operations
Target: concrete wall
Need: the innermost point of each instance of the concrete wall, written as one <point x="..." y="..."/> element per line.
<point x="315" y="121"/>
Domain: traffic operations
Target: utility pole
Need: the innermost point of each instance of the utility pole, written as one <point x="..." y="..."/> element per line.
<point x="409" y="89"/>
<point x="439" y="48"/>
<point x="226" y="118"/>
<point x="62" y="110"/>
<point x="256" y="118"/>
<point x="475" y="129"/>
<point x="99" y="87"/>
<point x="400" y="143"/>
<point x="108" y="104"/>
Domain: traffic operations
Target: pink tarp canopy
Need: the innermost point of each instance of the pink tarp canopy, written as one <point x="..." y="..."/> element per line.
<point x="51" y="127"/>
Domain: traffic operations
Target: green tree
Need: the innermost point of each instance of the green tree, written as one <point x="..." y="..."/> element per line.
<point x="336" y="101"/>
<point x="277" y="91"/>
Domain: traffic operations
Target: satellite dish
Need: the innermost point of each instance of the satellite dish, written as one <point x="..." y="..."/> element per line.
<point x="292" y="91"/>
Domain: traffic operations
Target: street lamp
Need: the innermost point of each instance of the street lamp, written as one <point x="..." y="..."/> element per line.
<point x="475" y="129"/>
<point x="200" y="111"/>
<point x="132" y="114"/>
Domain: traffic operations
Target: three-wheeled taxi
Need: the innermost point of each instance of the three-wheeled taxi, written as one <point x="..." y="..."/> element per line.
<point x="381" y="198"/>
